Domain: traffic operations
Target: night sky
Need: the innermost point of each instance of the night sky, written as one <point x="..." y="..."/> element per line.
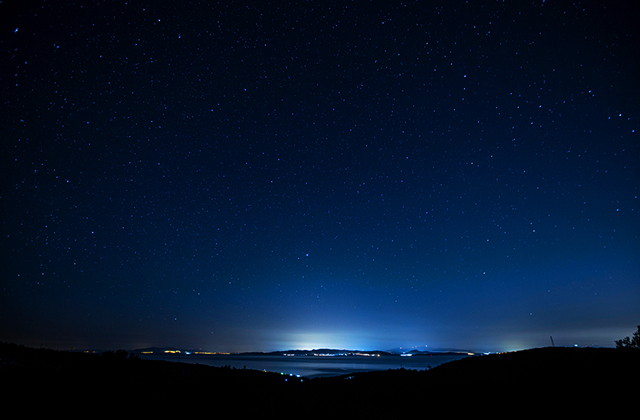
<point x="238" y="176"/>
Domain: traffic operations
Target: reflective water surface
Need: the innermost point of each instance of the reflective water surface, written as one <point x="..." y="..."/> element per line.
<point x="310" y="366"/>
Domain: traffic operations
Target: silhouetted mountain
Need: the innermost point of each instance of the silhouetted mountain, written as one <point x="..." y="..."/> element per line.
<point x="299" y="352"/>
<point x="315" y="352"/>
<point x="441" y="351"/>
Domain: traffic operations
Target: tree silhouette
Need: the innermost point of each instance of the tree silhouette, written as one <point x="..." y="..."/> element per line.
<point x="630" y="343"/>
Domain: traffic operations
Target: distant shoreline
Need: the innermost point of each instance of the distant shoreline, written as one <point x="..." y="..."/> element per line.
<point x="313" y="353"/>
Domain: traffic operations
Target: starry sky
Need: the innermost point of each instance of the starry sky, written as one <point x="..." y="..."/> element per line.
<point x="258" y="176"/>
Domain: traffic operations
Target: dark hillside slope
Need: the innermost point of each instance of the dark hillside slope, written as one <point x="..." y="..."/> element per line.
<point x="547" y="381"/>
<point x="555" y="367"/>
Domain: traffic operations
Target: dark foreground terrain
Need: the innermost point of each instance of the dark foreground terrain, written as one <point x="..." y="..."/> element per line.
<point x="549" y="381"/>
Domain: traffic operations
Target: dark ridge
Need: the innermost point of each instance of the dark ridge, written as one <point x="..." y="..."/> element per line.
<point x="548" y="381"/>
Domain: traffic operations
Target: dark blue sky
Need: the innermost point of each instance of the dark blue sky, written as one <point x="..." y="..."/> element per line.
<point x="240" y="176"/>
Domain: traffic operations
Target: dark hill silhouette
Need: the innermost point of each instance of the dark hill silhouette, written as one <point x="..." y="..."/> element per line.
<point x="548" y="381"/>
